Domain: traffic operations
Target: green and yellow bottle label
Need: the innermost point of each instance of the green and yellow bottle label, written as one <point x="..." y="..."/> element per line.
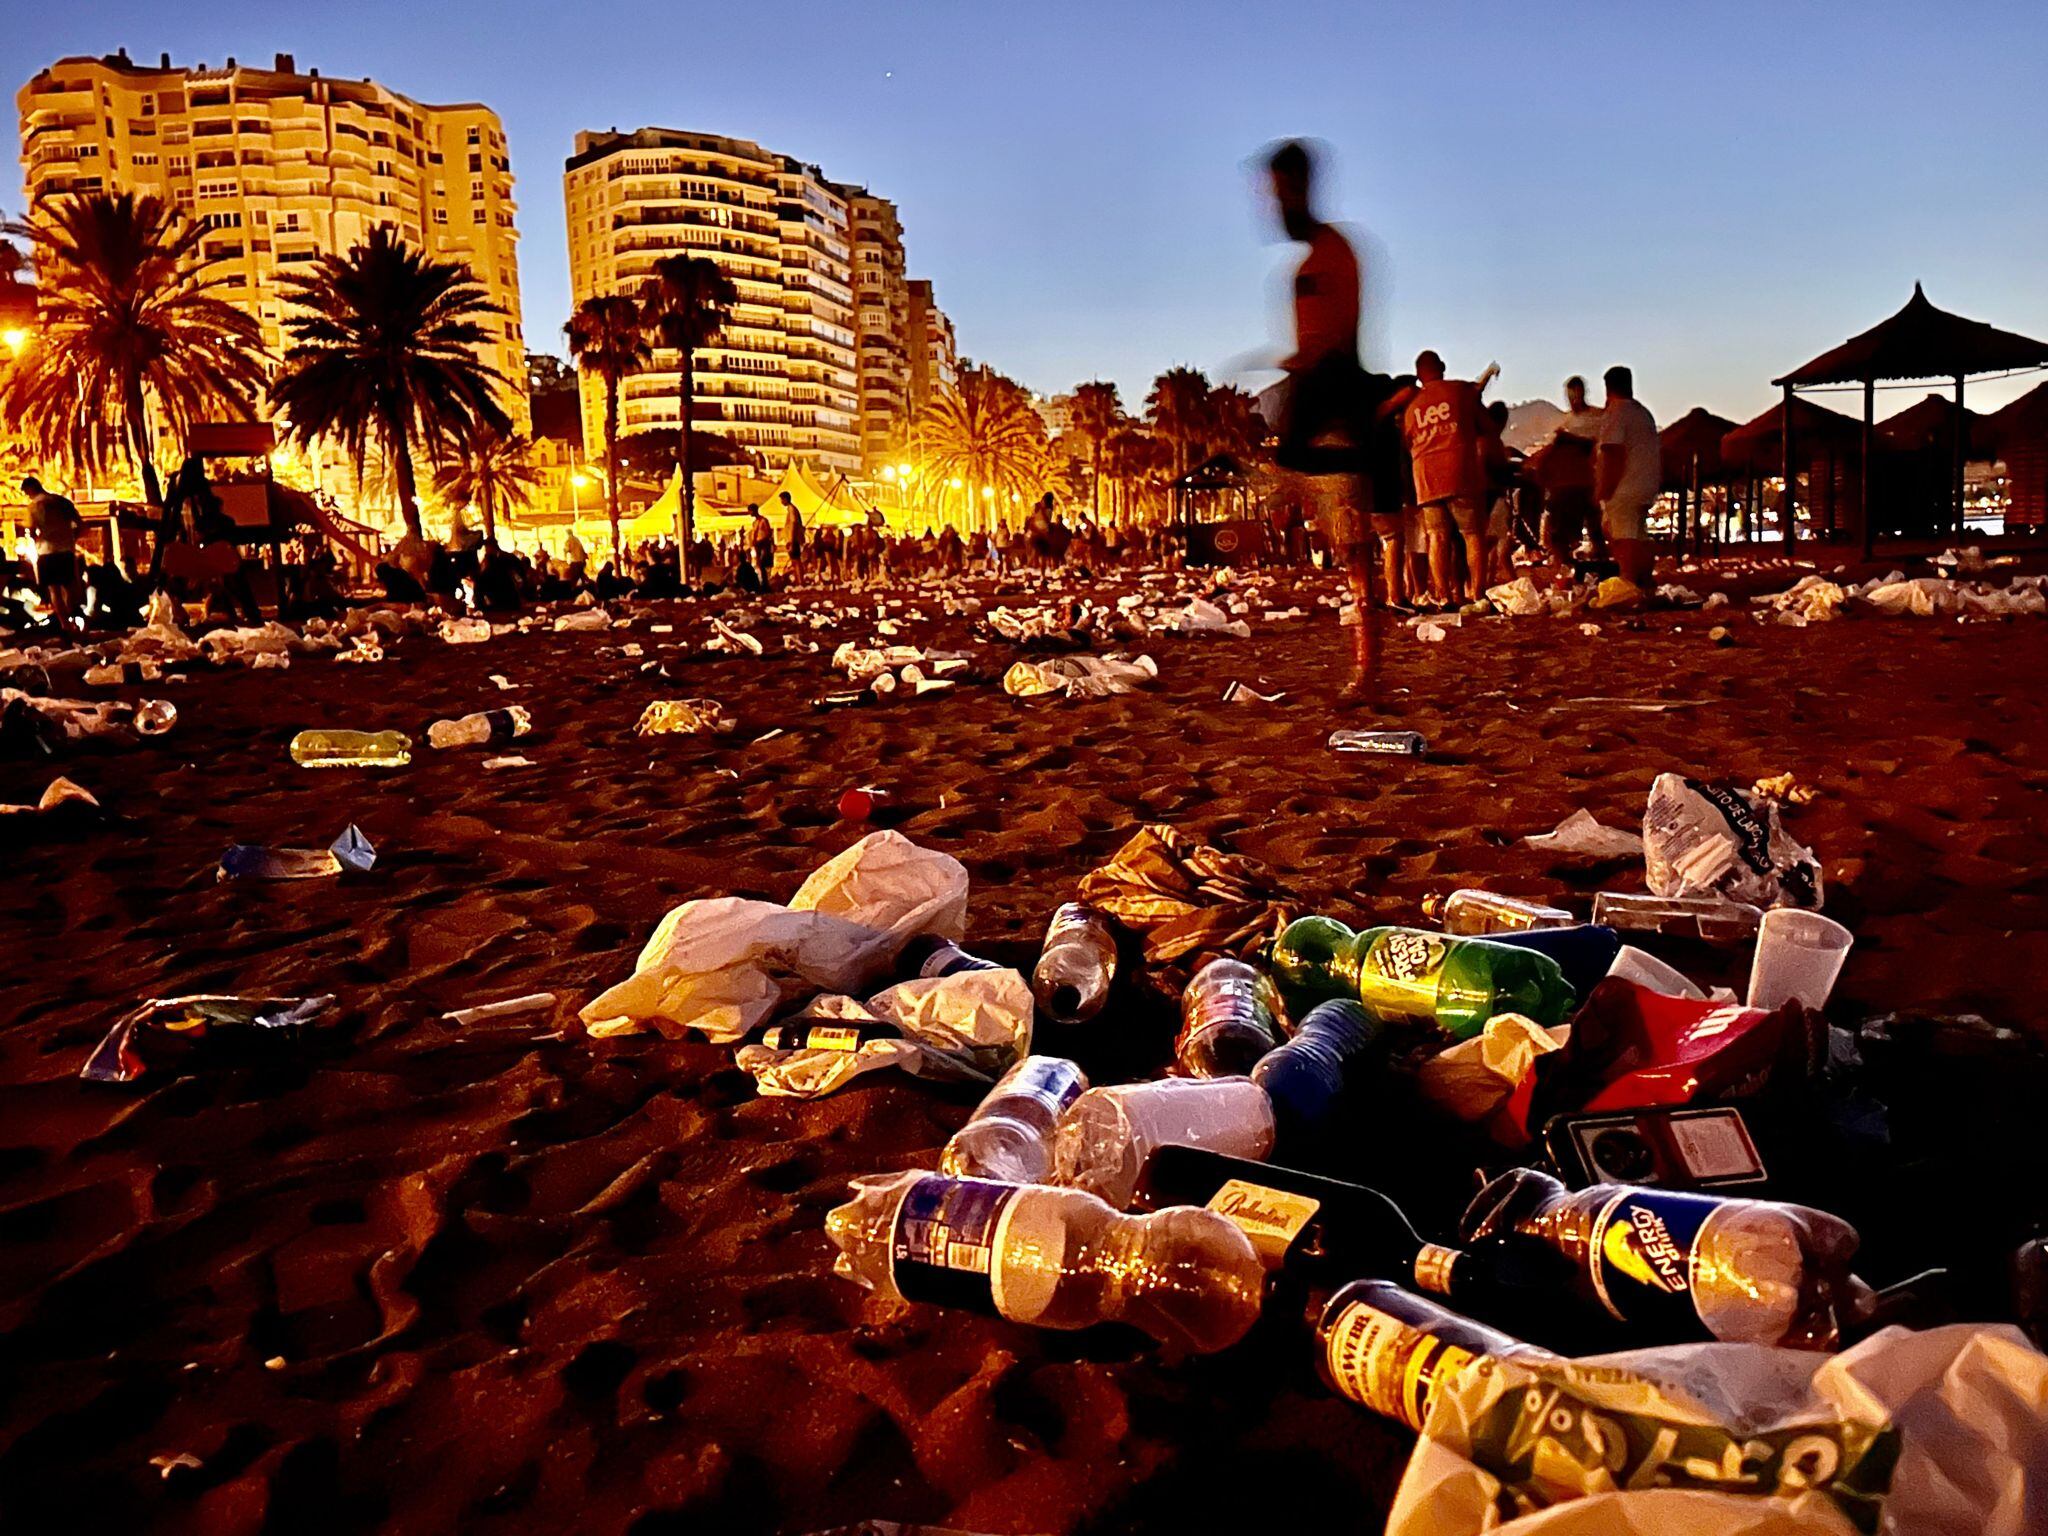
<point x="1401" y="972"/>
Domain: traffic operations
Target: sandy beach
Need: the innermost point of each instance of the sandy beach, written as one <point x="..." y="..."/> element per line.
<point x="505" y="1278"/>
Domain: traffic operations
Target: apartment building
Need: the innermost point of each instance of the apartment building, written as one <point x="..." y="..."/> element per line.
<point x="934" y="362"/>
<point x="281" y="167"/>
<point x="884" y="298"/>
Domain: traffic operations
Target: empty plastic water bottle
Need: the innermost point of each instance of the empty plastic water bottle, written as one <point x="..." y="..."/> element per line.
<point x="1711" y="918"/>
<point x="481" y="728"/>
<point x="1379" y="743"/>
<point x="351" y="749"/>
<point x="155" y="716"/>
<point x="1076" y="966"/>
<point x="1053" y="1258"/>
<point x="1472" y="911"/>
<point x="1106" y="1135"/>
<point x="1009" y="1136"/>
<point x="1226" y="1024"/>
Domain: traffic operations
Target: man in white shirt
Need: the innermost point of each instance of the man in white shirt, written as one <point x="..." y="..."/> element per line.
<point x="1629" y="476"/>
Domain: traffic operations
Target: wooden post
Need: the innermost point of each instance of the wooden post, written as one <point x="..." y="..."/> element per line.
<point x="1789" y="509"/>
<point x="1962" y="453"/>
<point x="1869" y="436"/>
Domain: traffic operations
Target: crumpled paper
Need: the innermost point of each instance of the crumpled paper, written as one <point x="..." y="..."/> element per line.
<point x="1474" y="1078"/>
<point x="1580" y="833"/>
<point x="685" y="717"/>
<point x="1908" y="1434"/>
<point x="726" y="964"/>
<point x="1714" y="839"/>
<point x="970" y="1026"/>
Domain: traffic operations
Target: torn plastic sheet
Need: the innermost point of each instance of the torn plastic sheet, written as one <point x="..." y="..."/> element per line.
<point x="1715" y="839"/>
<point x="350" y="851"/>
<point x="170" y="1031"/>
<point x="1580" y="833"/>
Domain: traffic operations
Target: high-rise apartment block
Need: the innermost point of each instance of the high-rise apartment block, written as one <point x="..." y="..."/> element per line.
<point x="884" y="295"/>
<point x="282" y="167"/>
<point x="934" y="361"/>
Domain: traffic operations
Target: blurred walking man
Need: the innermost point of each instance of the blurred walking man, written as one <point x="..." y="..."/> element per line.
<point x="1630" y="473"/>
<point x="1326" y="433"/>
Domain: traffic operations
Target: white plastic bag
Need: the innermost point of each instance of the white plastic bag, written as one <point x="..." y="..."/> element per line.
<point x="970" y="1026"/>
<point x="1580" y="833"/>
<point x="1742" y="1440"/>
<point x="725" y="964"/>
<point x="1714" y="839"/>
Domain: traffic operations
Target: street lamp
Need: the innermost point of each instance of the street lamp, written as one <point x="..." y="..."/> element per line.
<point x="14" y="339"/>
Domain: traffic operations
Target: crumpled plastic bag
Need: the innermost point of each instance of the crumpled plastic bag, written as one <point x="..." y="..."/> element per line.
<point x="725" y="964"/>
<point x="1518" y="599"/>
<point x="1615" y="592"/>
<point x="971" y="1026"/>
<point x="1183" y="897"/>
<point x="685" y="717"/>
<point x="1908" y="1434"/>
<point x="1580" y="833"/>
<point x="583" y="619"/>
<point x="167" y="1031"/>
<point x="61" y="797"/>
<point x="1079" y="677"/>
<point x="270" y="639"/>
<point x="1474" y="1078"/>
<point x="1715" y="839"/>
<point x="1203" y="617"/>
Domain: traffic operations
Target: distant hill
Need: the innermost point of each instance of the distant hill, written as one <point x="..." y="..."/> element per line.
<point x="1530" y="424"/>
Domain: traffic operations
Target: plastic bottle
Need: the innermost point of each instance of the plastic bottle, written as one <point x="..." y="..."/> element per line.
<point x="1393" y="1351"/>
<point x="1076" y="965"/>
<point x="1411" y="973"/>
<point x="1321" y="1231"/>
<point x="929" y="955"/>
<point x="1053" y="1258"/>
<point x="1584" y="952"/>
<point x="112" y="674"/>
<point x="1705" y="917"/>
<point x="824" y="1035"/>
<point x="1010" y="1134"/>
<point x="1226" y="1026"/>
<point x="1379" y="743"/>
<point x="153" y="717"/>
<point x="1471" y="911"/>
<point x="1107" y="1133"/>
<point x="1306" y="1077"/>
<point x="1677" y="1265"/>
<point x="481" y="728"/>
<point x="351" y="749"/>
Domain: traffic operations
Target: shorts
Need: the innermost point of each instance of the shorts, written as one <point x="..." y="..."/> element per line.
<point x="1564" y="519"/>
<point x="1390" y="528"/>
<point x="1501" y="521"/>
<point x="59" y="568"/>
<point x="1625" y="519"/>
<point x="1342" y="504"/>
<point x="1464" y="514"/>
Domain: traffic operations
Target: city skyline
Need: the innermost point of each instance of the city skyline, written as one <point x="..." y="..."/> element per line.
<point x="1558" y="192"/>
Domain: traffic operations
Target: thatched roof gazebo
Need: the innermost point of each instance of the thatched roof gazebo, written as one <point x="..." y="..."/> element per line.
<point x="2018" y="434"/>
<point x="1919" y="342"/>
<point x="1690" y="454"/>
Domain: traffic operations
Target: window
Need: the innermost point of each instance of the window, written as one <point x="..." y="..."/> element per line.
<point x="440" y="215"/>
<point x="474" y="137"/>
<point x="221" y="220"/>
<point x="476" y="163"/>
<point x="219" y="189"/>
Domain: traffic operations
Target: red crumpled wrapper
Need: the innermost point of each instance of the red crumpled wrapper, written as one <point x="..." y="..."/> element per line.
<point x="1632" y="1048"/>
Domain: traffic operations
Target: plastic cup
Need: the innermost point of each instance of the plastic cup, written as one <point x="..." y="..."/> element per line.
<point x="1646" y="970"/>
<point x="1798" y="955"/>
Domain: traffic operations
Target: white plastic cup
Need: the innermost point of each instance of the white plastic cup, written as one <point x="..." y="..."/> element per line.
<point x="1645" y="970"/>
<point x="1798" y="955"/>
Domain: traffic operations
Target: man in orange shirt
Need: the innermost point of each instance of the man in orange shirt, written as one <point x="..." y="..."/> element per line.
<point x="1445" y="425"/>
<point x="1331" y="399"/>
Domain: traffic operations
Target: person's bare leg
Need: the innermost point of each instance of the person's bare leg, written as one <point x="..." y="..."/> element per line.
<point x="1364" y="684"/>
<point x="1637" y="561"/>
<point x="1393" y="553"/>
<point x="1475" y="564"/>
<point x="1443" y="567"/>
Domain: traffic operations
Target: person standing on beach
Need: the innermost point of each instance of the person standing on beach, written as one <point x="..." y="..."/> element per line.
<point x="1630" y="471"/>
<point x="762" y="536"/>
<point x="794" y="528"/>
<point x="1326" y="431"/>
<point x="1445" y="424"/>
<point x="1566" y="475"/>
<point x="54" y="524"/>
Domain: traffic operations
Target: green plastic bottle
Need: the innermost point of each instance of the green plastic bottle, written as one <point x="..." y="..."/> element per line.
<point x="351" y="749"/>
<point x="1455" y="983"/>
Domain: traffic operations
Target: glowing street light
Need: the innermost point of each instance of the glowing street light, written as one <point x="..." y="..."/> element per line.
<point x="14" y="339"/>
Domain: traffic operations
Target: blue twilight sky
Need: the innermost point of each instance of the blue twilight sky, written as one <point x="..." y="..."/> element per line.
<point x="1710" y="192"/>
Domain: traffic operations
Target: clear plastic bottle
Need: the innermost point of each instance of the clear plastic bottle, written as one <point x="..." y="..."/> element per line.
<point x="1009" y="1136"/>
<point x="481" y="728"/>
<point x="1076" y="966"/>
<point x="1226" y="1025"/>
<point x="1472" y="911"/>
<point x="351" y="749"/>
<point x="1677" y="1265"/>
<point x="1379" y="743"/>
<point x="153" y="717"/>
<point x="1106" y="1135"/>
<point x="1052" y="1258"/>
<point x="1711" y="918"/>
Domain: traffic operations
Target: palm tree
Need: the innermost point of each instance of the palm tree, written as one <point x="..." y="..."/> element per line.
<point x="1235" y="424"/>
<point x="984" y="433"/>
<point x="387" y="344"/>
<point x="684" y="306"/>
<point x="1178" y="409"/>
<point x="607" y="337"/>
<point x="128" y="334"/>
<point x="493" y="473"/>
<point x="1097" y="410"/>
<point x="1131" y="457"/>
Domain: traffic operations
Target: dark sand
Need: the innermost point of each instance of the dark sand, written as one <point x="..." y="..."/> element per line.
<point x="483" y="1280"/>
